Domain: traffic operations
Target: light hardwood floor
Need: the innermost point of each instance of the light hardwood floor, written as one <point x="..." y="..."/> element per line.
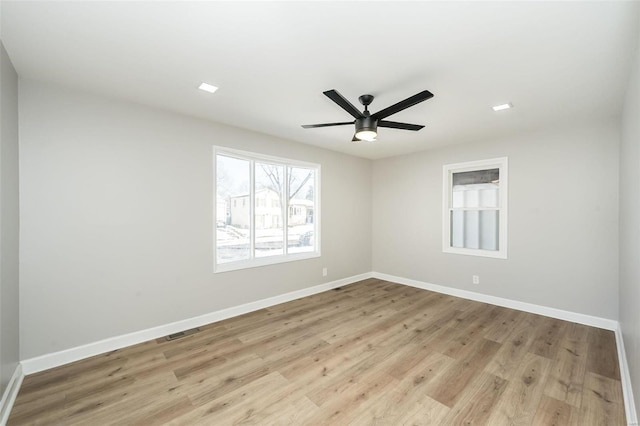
<point x="373" y="352"/>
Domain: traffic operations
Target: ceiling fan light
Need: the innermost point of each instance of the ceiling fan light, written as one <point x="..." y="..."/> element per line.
<point x="366" y="128"/>
<point x="366" y="135"/>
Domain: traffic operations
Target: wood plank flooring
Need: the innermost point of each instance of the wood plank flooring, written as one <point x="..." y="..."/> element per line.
<point x="370" y="353"/>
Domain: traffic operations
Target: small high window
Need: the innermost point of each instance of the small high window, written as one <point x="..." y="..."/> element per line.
<point x="475" y="208"/>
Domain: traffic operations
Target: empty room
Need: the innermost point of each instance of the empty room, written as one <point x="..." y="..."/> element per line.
<point x="319" y="213"/>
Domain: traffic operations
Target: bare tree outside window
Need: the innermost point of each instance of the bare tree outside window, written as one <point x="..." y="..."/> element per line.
<point x="296" y="181"/>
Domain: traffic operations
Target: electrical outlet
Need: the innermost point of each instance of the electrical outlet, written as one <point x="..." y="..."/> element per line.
<point x="324" y="272"/>
<point x="476" y="279"/>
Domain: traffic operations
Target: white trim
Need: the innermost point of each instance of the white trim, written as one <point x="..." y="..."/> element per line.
<point x="250" y="155"/>
<point x="502" y="164"/>
<point x="263" y="261"/>
<point x="10" y="394"/>
<point x="593" y="321"/>
<point x="44" y="362"/>
<point x="625" y="379"/>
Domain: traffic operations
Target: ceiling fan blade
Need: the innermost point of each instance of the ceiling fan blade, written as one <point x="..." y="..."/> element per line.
<point x="396" y="125"/>
<point x="312" y="126"/>
<point x="409" y="102"/>
<point x="343" y="103"/>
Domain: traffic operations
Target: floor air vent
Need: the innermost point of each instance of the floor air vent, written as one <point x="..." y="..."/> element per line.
<point x="182" y="334"/>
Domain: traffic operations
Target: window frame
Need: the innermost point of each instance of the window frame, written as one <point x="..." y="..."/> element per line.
<point x="501" y="163"/>
<point x="254" y="261"/>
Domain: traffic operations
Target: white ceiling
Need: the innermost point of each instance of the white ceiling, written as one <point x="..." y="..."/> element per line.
<point x="555" y="61"/>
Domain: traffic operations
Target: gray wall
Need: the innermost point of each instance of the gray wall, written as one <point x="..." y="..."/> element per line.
<point x="563" y="219"/>
<point x="116" y="213"/>
<point x="9" y="220"/>
<point x="630" y="227"/>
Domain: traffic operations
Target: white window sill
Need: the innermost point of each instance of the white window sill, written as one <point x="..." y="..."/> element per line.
<point x="476" y="252"/>
<point x="263" y="261"/>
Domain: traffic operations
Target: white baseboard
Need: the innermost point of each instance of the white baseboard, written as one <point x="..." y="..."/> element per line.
<point x="10" y="394"/>
<point x="44" y="362"/>
<point x="34" y="365"/>
<point x="625" y="378"/>
<point x="607" y="324"/>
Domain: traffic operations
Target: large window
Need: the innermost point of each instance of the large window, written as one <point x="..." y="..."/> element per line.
<point x="475" y="208"/>
<point x="266" y="210"/>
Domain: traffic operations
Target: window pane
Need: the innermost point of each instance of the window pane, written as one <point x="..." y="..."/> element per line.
<point x="301" y="229"/>
<point x="457" y="228"/>
<point x="477" y="228"/>
<point x="269" y="211"/>
<point x="488" y="229"/>
<point x="471" y="229"/>
<point x="476" y="176"/>
<point x="232" y="209"/>
<point x="474" y="229"/>
<point x="488" y="195"/>
<point x="478" y="188"/>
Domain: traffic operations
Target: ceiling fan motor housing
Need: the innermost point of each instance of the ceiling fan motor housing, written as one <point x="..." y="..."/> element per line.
<point x="366" y="123"/>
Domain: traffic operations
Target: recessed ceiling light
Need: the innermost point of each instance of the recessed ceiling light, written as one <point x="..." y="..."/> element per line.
<point x="501" y="107"/>
<point x="208" y="87"/>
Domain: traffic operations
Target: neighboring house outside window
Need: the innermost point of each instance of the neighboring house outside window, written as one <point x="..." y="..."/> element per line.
<point x="475" y="208"/>
<point x="267" y="210"/>
<point x="222" y="207"/>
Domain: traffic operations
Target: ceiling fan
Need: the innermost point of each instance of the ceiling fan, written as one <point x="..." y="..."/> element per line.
<point x="366" y="123"/>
